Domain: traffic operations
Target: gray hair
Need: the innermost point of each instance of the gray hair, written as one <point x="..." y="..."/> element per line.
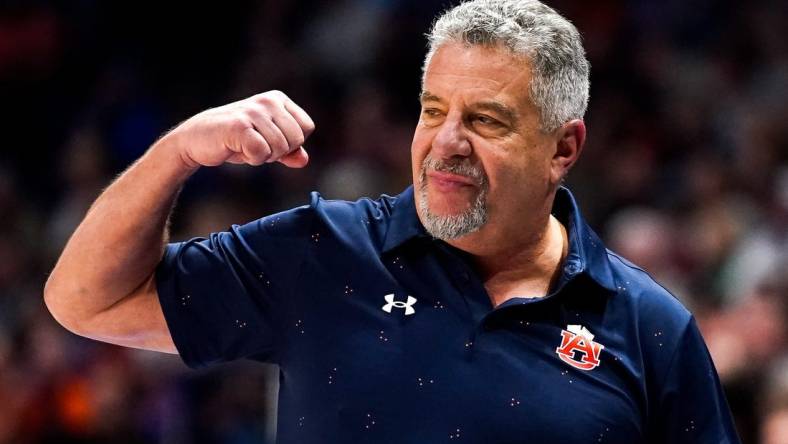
<point x="559" y="84"/>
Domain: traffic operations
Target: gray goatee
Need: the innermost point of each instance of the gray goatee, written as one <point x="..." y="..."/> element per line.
<point x="454" y="225"/>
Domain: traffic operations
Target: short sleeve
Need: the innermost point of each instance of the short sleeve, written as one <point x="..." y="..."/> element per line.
<point x="692" y="407"/>
<point x="226" y="296"/>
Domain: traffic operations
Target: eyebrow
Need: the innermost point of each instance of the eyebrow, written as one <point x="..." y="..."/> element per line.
<point x="487" y="105"/>
<point x="427" y="96"/>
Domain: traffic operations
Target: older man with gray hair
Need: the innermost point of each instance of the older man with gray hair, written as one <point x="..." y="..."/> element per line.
<point x="476" y="306"/>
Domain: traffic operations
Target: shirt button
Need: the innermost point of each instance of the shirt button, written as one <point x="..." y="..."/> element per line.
<point x="572" y="267"/>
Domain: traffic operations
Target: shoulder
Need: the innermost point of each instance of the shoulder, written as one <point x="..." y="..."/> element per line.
<point x="353" y="223"/>
<point x="336" y="213"/>
<point x="657" y="310"/>
<point x="322" y="221"/>
<point x="659" y="326"/>
<point x="329" y="209"/>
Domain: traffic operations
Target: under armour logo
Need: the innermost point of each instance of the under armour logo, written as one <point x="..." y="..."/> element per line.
<point x="408" y="306"/>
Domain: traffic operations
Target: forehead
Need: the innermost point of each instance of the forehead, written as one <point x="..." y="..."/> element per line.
<point x="478" y="72"/>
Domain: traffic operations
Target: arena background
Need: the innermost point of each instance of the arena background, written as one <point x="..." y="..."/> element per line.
<point x="685" y="172"/>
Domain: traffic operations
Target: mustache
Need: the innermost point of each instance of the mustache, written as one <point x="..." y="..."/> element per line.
<point x="462" y="167"/>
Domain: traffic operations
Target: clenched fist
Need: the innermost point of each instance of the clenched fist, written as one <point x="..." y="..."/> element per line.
<point x="264" y="128"/>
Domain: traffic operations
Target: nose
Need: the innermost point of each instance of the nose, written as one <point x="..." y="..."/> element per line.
<point x="451" y="139"/>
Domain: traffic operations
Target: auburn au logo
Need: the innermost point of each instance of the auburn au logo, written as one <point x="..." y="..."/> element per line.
<point x="577" y="341"/>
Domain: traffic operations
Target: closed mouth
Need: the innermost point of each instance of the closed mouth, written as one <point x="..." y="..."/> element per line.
<point x="451" y="178"/>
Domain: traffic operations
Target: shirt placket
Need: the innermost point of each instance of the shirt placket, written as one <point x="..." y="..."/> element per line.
<point x="477" y="300"/>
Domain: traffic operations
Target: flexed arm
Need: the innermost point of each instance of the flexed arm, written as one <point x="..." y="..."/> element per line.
<point x="102" y="286"/>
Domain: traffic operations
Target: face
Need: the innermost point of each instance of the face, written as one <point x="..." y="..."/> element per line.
<point x="480" y="162"/>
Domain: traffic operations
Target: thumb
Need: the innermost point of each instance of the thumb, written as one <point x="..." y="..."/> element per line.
<point x="297" y="159"/>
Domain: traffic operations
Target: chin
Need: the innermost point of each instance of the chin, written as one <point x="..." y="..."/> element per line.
<point x="443" y="208"/>
<point x="448" y="220"/>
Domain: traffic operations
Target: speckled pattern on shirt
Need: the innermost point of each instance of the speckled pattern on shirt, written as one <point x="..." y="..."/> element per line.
<point x="386" y="335"/>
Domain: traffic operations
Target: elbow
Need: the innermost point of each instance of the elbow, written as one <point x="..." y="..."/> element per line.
<point x="56" y="300"/>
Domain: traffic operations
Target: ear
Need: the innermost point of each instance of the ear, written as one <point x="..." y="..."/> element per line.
<point x="570" y="138"/>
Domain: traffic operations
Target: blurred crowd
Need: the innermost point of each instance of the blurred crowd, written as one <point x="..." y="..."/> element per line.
<point x="685" y="173"/>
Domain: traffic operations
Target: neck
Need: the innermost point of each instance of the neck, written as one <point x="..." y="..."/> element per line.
<point x="528" y="268"/>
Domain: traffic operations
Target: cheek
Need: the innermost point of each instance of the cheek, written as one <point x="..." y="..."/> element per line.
<point x="422" y="137"/>
<point x="511" y="177"/>
<point x="419" y="149"/>
<point x="497" y="164"/>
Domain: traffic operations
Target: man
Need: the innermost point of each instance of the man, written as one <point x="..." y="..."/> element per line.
<point x="476" y="306"/>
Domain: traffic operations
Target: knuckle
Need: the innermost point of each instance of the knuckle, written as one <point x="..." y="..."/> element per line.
<point x="271" y="98"/>
<point x="255" y="160"/>
<point x="265" y="100"/>
<point x="280" y="148"/>
<point x="309" y="128"/>
<point x="237" y="123"/>
<point x="255" y="113"/>
<point x="298" y="140"/>
<point x="255" y="151"/>
<point x="278" y="94"/>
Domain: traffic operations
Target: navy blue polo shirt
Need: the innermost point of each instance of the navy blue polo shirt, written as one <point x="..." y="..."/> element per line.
<point x="386" y="335"/>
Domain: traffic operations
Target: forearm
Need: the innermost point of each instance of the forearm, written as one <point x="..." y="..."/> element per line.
<point x="120" y="241"/>
<point x="103" y="285"/>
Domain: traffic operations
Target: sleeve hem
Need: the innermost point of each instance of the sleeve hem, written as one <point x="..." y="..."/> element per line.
<point x="166" y="300"/>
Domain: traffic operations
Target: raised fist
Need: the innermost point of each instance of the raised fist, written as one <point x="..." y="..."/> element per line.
<point x="264" y="128"/>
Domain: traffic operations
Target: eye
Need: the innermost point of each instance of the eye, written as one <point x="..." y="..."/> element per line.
<point x="486" y="120"/>
<point x="487" y="126"/>
<point x="431" y="112"/>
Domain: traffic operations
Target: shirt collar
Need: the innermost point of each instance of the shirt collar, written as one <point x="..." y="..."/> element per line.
<point x="404" y="224"/>
<point x="587" y="254"/>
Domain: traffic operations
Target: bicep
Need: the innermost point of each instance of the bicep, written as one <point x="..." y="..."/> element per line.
<point x="135" y="321"/>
